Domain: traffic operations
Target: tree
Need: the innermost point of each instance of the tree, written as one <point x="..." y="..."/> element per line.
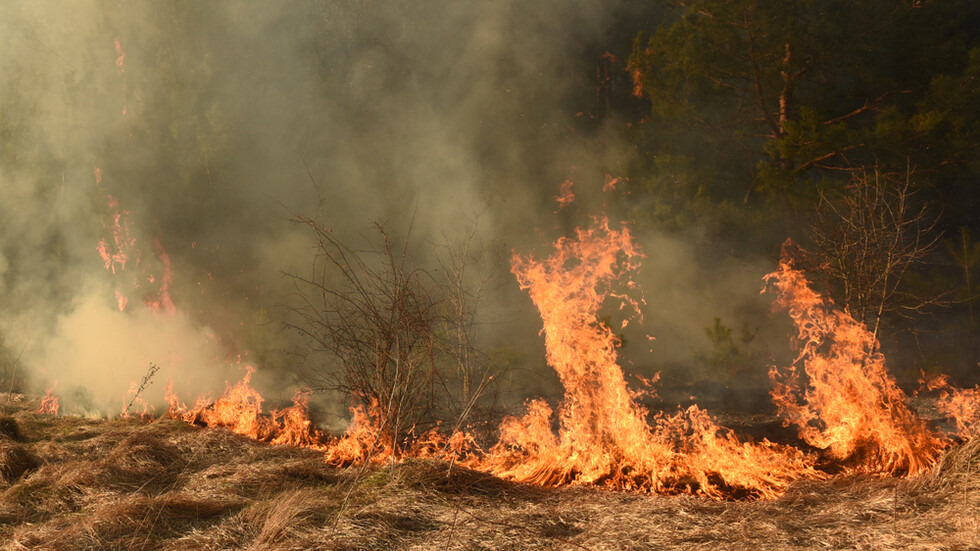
<point x="805" y="90"/>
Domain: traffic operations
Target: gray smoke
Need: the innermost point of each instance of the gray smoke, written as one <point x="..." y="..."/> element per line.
<point x="211" y="122"/>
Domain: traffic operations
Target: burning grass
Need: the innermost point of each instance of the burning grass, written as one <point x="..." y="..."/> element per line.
<point x="164" y="484"/>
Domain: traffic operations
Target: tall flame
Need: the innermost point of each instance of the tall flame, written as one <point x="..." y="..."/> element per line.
<point x="603" y="436"/>
<point x="848" y="404"/>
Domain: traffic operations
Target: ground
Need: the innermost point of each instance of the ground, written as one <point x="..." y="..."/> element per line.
<point x="69" y="483"/>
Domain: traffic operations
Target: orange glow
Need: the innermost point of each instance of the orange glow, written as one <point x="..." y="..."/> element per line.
<point x="363" y="441"/>
<point x="121" y="55"/>
<point x="118" y="251"/>
<point x="293" y="424"/>
<point x="603" y="437"/>
<point x="49" y="402"/>
<point x="162" y="302"/>
<point x="239" y="410"/>
<point x="960" y="405"/>
<point x="611" y="183"/>
<point x="134" y="404"/>
<point x="116" y="254"/>
<point x="566" y="196"/>
<point x="843" y="400"/>
<point x="837" y="393"/>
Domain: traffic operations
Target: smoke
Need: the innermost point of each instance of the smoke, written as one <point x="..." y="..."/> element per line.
<point x="210" y="123"/>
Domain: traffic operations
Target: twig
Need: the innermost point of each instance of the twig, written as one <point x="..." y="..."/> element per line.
<point x="143" y="384"/>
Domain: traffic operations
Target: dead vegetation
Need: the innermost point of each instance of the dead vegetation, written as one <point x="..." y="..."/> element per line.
<point x="77" y="484"/>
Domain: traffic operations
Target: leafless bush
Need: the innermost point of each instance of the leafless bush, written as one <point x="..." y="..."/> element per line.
<point x="370" y="319"/>
<point x="868" y="237"/>
<point x="396" y="338"/>
<point x="468" y="378"/>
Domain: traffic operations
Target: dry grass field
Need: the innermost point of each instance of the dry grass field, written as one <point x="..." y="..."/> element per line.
<point x="70" y="483"/>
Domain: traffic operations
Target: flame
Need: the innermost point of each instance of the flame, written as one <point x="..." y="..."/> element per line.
<point x="121" y="55"/>
<point x="363" y="440"/>
<point x="566" y="195"/>
<point x="603" y="437"/>
<point x="132" y="400"/>
<point x="848" y="405"/>
<point x="49" y="402"/>
<point x="960" y="405"/>
<point x="293" y="424"/>
<point x="162" y="302"/>
<point x="239" y="410"/>
<point x="837" y="393"/>
<point x="115" y="254"/>
<point x="611" y="183"/>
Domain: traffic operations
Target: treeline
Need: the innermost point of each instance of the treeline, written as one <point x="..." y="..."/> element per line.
<point x="850" y="126"/>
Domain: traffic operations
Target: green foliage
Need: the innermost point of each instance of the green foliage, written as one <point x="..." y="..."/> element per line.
<point x="801" y="89"/>
<point x="758" y="110"/>
<point x="729" y="357"/>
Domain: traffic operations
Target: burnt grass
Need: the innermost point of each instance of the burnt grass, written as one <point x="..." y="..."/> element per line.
<point x="73" y="483"/>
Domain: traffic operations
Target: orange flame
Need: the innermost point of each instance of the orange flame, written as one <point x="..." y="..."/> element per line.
<point x="239" y="410"/>
<point x="567" y="195"/>
<point x="116" y="253"/>
<point x="121" y="55"/>
<point x="132" y="399"/>
<point x="49" y="403"/>
<point x="611" y="183"/>
<point x="364" y="440"/>
<point x="603" y="437"/>
<point x="960" y="405"/>
<point x="162" y="302"/>
<point x="849" y="404"/>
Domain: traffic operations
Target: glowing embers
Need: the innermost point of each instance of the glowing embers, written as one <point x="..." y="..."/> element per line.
<point x="843" y="400"/>
<point x="603" y="435"/>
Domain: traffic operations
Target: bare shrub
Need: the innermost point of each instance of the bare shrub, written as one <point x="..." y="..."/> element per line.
<point x="868" y="237"/>
<point x="466" y="382"/>
<point x="370" y="319"/>
<point x="397" y="339"/>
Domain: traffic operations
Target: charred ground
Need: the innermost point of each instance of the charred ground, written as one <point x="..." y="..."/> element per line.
<point x="76" y="483"/>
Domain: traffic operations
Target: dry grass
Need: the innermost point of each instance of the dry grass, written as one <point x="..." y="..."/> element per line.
<point x="125" y="484"/>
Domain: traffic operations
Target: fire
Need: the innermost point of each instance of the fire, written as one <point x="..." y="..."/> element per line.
<point x="239" y="410"/>
<point x="604" y="438"/>
<point x="837" y="393"/>
<point x="49" y="403"/>
<point x="121" y="55"/>
<point x="116" y="254"/>
<point x="363" y="440"/>
<point x="162" y="302"/>
<point x="848" y="404"/>
<point x="133" y="399"/>
<point x="611" y="183"/>
<point x="961" y="405"/>
<point x="567" y="195"/>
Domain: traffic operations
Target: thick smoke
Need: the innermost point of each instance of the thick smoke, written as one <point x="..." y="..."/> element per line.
<point x="211" y="123"/>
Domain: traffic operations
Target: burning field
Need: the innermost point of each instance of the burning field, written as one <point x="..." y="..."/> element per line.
<point x="597" y="470"/>
<point x="442" y="275"/>
<point x="73" y="483"/>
